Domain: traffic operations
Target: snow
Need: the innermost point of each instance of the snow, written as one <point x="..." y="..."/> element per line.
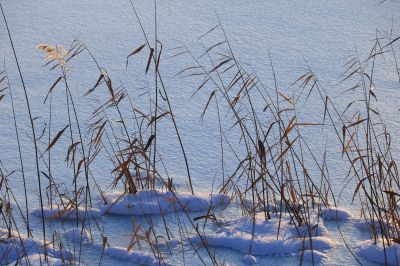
<point x="134" y="257"/>
<point x="313" y="256"/>
<point x="172" y="243"/>
<point x="264" y="227"/>
<point x="39" y="259"/>
<point x="58" y="212"/>
<point x="17" y="248"/>
<point x="335" y="213"/>
<point x="316" y="243"/>
<point x="76" y="234"/>
<point x="271" y="207"/>
<point x="376" y="252"/>
<point x="29" y="251"/>
<point x="328" y="214"/>
<point x="249" y="259"/>
<point x="237" y="234"/>
<point x="147" y="202"/>
<point x="365" y="225"/>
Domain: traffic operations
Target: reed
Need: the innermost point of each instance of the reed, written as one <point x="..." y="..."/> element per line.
<point x="277" y="172"/>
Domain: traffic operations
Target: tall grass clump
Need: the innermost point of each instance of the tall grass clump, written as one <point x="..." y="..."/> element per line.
<point x="264" y="134"/>
<point x="277" y="173"/>
<point x="365" y="139"/>
<point x="368" y="143"/>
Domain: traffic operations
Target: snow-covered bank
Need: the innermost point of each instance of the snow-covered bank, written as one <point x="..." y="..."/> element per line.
<point x="147" y="202"/>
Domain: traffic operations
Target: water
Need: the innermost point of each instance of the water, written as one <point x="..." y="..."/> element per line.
<point x="296" y="34"/>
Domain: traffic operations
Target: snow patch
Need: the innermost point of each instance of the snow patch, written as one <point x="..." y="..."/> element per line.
<point x="15" y="248"/>
<point x="376" y="253"/>
<point x="147" y="202"/>
<point x="313" y="256"/>
<point x="334" y="213"/>
<point x="365" y="224"/>
<point x="172" y="243"/>
<point x="141" y="258"/>
<point x="249" y="259"/>
<point x="58" y="212"/>
<point x="315" y="243"/>
<point x="237" y="235"/>
<point x="76" y="234"/>
<point x="39" y="259"/>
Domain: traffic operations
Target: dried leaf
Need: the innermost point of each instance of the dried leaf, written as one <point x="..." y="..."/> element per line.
<point x="51" y="88"/>
<point x="59" y="134"/>
<point x="149" y="60"/>
<point x="137" y="50"/>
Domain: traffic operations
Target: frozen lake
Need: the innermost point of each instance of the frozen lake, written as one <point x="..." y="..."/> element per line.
<point x="296" y="34"/>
